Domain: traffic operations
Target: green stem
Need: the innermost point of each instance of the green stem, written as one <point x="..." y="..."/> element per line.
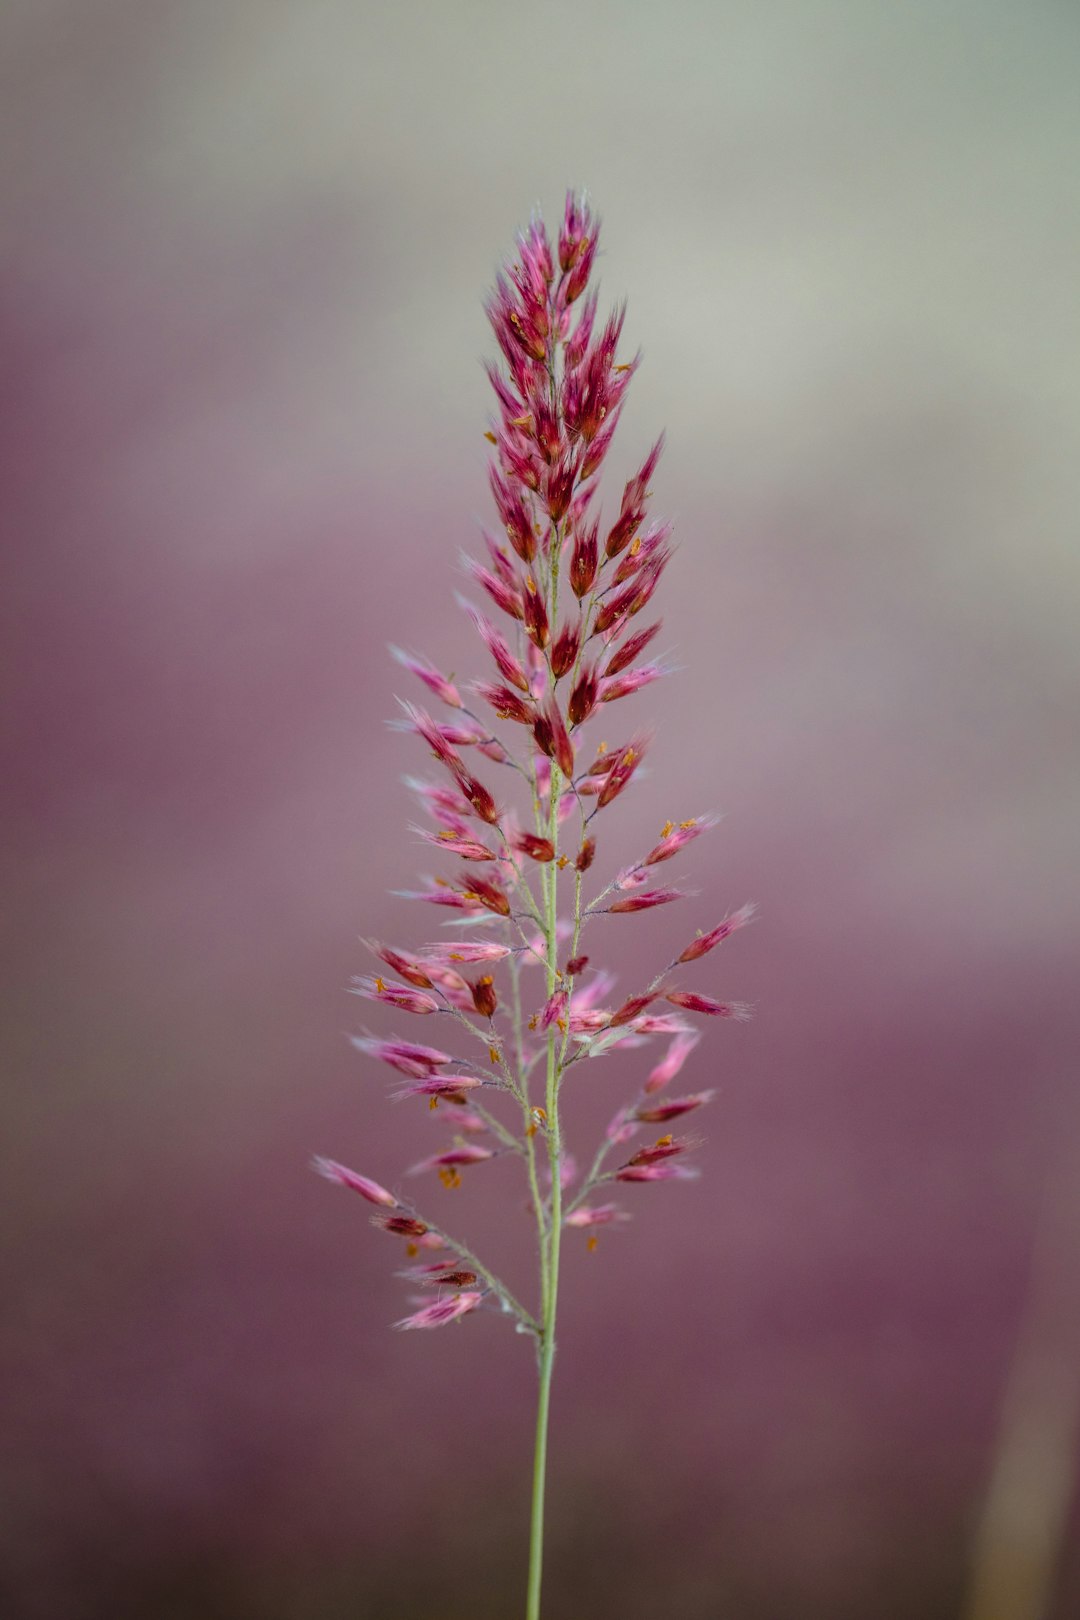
<point x="551" y="1237"/>
<point x="536" y="1536"/>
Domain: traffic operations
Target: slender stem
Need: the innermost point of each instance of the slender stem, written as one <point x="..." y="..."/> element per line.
<point x="536" y="1535"/>
<point x="553" y="1232"/>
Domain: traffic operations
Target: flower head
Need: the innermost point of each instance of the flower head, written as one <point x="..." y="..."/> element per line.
<point x="522" y="773"/>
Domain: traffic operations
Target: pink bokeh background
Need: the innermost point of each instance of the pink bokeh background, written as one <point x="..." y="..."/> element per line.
<point x="244" y="248"/>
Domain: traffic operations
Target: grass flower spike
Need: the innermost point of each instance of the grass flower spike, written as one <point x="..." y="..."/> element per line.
<point x="520" y="791"/>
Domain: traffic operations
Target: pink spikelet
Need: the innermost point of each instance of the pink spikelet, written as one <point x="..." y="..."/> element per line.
<point x="443" y="1311"/>
<point x="517" y="796"/>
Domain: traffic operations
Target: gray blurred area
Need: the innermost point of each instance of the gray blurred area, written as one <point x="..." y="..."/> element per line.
<point x="243" y="248"/>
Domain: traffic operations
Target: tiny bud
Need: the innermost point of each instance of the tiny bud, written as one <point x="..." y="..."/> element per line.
<point x="646" y="900"/>
<point x="553" y="1009"/>
<point x="660" y="1113"/>
<point x="488" y="893"/>
<point x="691" y="1001"/>
<point x="538" y="849"/>
<point x="535" y="614"/>
<point x="585" y="856"/>
<point x="706" y="942"/>
<point x="584" y="561"/>
<point x="630" y="1009"/>
<point x="354" y="1181"/>
<point x="564" y="649"/>
<point x="630" y="649"/>
<point x="583" y="697"/>
<point x="479" y="797"/>
<point x="559" y="488"/>
<point x="507" y="704"/>
<point x="484" y="998"/>
<point x="553" y="739"/>
<point x="401" y="1225"/>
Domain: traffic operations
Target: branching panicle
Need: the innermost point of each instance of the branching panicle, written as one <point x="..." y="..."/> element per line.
<point x="565" y="643"/>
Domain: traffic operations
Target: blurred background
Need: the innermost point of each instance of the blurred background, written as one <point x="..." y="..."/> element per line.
<point x="244" y="248"/>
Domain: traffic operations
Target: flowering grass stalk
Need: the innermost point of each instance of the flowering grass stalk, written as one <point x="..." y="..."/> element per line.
<point x="568" y="591"/>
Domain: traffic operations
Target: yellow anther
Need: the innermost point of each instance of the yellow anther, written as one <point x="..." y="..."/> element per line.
<point x="539" y="1115"/>
<point x="411" y="1250"/>
<point x="449" y="1176"/>
<point x="684" y="825"/>
<point x="493" y="1053"/>
<point x="664" y="1141"/>
<point x="667" y="829"/>
<point x="433" y="1104"/>
<point x="490" y="437"/>
<point x="563" y="860"/>
<point x="379" y="985"/>
<point x="636" y="547"/>
<point x="593" y="1241"/>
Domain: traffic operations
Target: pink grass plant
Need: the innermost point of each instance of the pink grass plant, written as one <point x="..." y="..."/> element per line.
<point x="564" y="589"/>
